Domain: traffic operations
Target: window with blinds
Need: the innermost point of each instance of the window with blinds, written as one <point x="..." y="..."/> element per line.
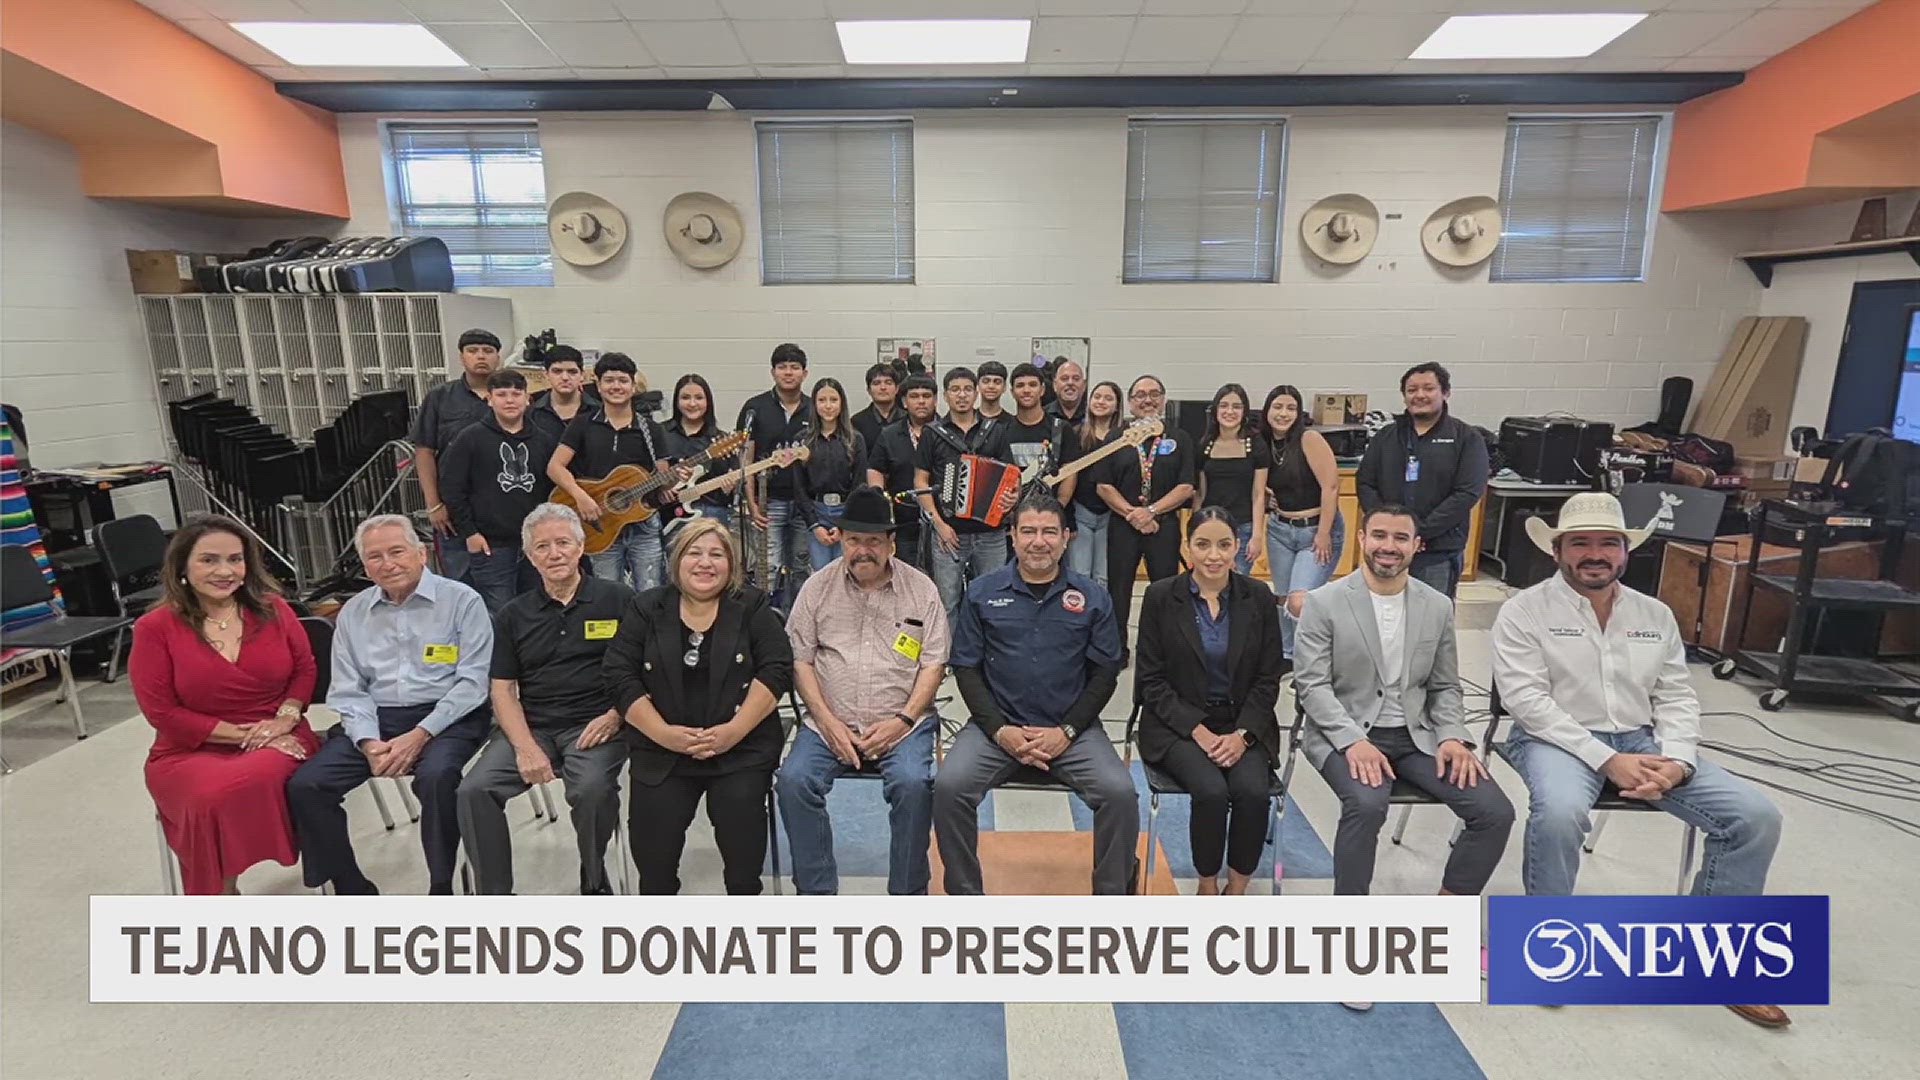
<point x="1576" y="198"/>
<point x="481" y="188"/>
<point x="836" y="202"/>
<point x="1203" y="200"/>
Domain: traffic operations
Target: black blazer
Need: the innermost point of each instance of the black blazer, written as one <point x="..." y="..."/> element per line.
<point x="644" y="659"/>
<point x="1171" y="675"/>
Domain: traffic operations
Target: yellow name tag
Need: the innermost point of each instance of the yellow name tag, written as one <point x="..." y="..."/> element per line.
<point x="907" y="645"/>
<point x="441" y="654"/>
<point x="601" y="629"/>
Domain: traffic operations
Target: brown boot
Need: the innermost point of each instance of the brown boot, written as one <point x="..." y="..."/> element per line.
<point x="1767" y="1016"/>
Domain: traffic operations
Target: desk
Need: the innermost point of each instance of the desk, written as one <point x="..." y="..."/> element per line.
<point x="1350" y="513"/>
<point x="1502" y="493"/>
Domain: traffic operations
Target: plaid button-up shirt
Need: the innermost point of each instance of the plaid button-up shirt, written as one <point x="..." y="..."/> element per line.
<point x="861" y="642"/>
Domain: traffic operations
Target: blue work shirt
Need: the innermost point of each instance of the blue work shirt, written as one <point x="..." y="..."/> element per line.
<point x="432" y="648"/>
<point x="1034" y="652"/>
<point x="1213" y="643"/>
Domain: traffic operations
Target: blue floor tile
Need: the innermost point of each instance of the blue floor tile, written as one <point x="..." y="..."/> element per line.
<point x="888" y="1041"/>
<point x="1299" y="1042"/>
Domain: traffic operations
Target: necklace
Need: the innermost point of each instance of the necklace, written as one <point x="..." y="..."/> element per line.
<point x="694" y="638"/>
<point x="220" y="623"/>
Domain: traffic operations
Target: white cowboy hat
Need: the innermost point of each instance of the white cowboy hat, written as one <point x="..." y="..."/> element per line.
<point x="1589" y="511"/>
<point x="702" y="229"/>
<point x="586" y="230"/>
<point x="1341" y="228"/>
<point x="1463" y="232"/>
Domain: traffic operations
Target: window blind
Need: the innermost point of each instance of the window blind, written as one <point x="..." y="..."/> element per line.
<point x="1203" y="200"/>
<point x="1576" y="196"/>
<point x="836" y="202"/>
<point x="482" y="189"/>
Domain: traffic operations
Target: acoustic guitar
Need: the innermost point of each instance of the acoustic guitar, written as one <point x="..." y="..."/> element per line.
<point x="628" y="494"/>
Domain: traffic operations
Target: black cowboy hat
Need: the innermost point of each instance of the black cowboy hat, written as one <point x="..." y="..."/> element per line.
<point x="867" y="510"/>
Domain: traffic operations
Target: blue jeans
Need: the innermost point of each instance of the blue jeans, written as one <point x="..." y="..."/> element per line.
<point x="1087" y="551"/>
<point x="635" y="554"/>
<point x="1243" y="555"/>
<point x="906" y="782"/>
<point x="501" y="576"/>
<point x="978" y="554"/>
<point x="1440" y="569"/>
<point x="454" y="557"/>
<point x="787" y="537"/>
<point x="820" y="554"/>
<point x="1292" y="567"/>
<point x="1742" y="825"/>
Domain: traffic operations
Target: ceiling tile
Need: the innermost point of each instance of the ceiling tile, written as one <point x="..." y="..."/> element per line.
<point x="1854" y="5"/>
<point x="1714" y="63"/>
<point x="1164" y="67"/>
<point x="703" y="43"/>
<point x="651" y="10"/>
<point x="907" y="9"/>
<point x="1624" y="63"/>
<point x="1072" y="70"/>
<point x="741" y="72"/>
<point x="1572" y="7"/>
<point x="373" y="11"/>
<point x="1773" y="31"/>
<point x="1090" y="7"/>
<point x="495" y="44"/>
<point x="789" y="41"/>
<point x="232" y="42"/>
<point x="1347" y="67"/>
<point x="1079" y="40"/>
<point x="1529" y="67"/>
<point x="1748" y="6"/>
<point x="801" y="71"/>
<point x="1278" y="37"/>
<point x="1388" y="7"/>
<point x="176" y="9"/>
<point x="243" y="10"/>
<point x="1193" y="7"/>
<point x="1158" y="39"/>
<point x="1298" y="7"/>
<point x="459" y="11"/>
<point x="1439" y="67"/>
<point x="1254" y="67"/>
<point x="775" y="9"/>
<point x="620" y="74"/>
<point x="1378" y="37"/>
<point x="394" y="74"/>
<point x="529" y="74"/>
<point x="563" y="10"/>
<point x="1672" y="33"/>
<point x="600" y="44"/>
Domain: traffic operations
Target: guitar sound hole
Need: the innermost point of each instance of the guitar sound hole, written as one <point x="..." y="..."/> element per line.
<point x="618" y="501"/>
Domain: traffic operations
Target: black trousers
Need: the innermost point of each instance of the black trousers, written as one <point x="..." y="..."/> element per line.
<point x="658" y="816"/>
<point x="1484" y="808"/>
<point x="317" y="788"/>
<point x="1230" y="806"/>
<point x="1125" y="548"/>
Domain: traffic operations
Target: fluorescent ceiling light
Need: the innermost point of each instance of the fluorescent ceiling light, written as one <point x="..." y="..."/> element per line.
<point x="935" y="41"/>
<point x="333" y="44"/>
<point x="1523" y="37"/>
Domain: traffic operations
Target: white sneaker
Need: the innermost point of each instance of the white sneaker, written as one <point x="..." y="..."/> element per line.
<point x="1358" y="1006"/>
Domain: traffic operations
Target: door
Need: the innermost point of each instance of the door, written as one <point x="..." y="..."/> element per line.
<point x="1872" y="356"/>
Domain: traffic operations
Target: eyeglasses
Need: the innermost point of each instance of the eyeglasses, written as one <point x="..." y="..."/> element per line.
<point x="1147" y="395"/>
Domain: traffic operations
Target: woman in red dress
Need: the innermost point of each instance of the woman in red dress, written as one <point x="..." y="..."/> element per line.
<point x="222" y="670"/>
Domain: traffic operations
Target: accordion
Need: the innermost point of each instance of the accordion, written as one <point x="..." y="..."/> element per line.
<point x="972" y="488"/>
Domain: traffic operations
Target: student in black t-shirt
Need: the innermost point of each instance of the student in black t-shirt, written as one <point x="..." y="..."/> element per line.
<point x="445" y="412"/>
<point x="1145" y="490"/>
<point x="890" y="467"/>
<point x="990" y="384"/>
<point x="1099" y="424"/>
<point x="773" y="419"/>
<point x="568" y="391"/>
<point x="553" y="705"/>
<point x="836" y="464"/>
<point x="691" y="429"/>
<point x="1233" y="465"/>
<point x="964" y="549"/>
<point x="1034" y="437"/>
<point x="883" y="408"/>
<point x="594" y="445"/>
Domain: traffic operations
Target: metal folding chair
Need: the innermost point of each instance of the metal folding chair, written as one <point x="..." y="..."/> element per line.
<point x="133" y="549"/>
<point x="23" y="585"/>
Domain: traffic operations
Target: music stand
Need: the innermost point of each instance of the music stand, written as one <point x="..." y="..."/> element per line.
<point x="1688" y="514"/>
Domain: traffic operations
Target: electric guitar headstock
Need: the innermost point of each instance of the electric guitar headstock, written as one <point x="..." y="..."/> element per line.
<point x="1141" y="430"/>
<point x="787" y="455"/>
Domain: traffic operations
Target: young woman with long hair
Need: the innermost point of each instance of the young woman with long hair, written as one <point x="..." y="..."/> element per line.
<point x="1297" y="511"/>
<point x="837" y="465"/>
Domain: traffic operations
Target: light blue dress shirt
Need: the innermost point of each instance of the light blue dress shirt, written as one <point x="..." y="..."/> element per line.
<point x="387" y="655"/>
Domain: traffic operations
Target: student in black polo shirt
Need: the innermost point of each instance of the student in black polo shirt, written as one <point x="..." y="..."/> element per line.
<point x="963" y="548"/>
<point x="990" y="384"/>
<point x="594" y="445"/>
<point x="690" y="430"/>
<point x="883" y="408"/>
<point x="836" y="464"/>
<point x="1145" y="490"/>
<point x="493" y="476"/>
<point x="776" y="418"/>
<point x="890" y="467"/>
<point x="568" y="391"/>
<point x="445" y="412"/>
<point x="553" y="707"/>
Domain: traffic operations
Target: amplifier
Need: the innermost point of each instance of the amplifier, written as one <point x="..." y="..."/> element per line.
<point x="1554" y="449"/>
<point x="1347" y="440"/>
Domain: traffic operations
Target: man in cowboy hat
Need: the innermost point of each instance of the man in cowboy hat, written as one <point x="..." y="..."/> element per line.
<point x="869" y="649"/>
<point x="1595" y="675"/>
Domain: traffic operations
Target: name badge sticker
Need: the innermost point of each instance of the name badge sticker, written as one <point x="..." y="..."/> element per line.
<point x="601" y="629"/>
<point x="441" y="654"/>
<point x="907" y="645"/>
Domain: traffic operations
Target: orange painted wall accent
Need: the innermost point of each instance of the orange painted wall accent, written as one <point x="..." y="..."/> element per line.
<point x="1755" y="142"/>
<point x="272" y="152"/>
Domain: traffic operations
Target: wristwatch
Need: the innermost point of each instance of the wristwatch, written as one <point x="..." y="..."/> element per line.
<point x="1246" y="736"/>
<point x="904" y="718"/>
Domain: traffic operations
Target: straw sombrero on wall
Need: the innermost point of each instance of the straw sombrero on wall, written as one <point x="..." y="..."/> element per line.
<point x="702" y="229"/>
<point x="1463" y="232"/>
<point x="1340" y="229"/>
<point x="586" y="229"/>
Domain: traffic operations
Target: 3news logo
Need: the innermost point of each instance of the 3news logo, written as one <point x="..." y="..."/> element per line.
<point x="1657" y="950"/>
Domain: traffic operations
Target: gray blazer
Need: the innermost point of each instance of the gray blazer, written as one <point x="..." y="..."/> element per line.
<point x="1336" y="668"/>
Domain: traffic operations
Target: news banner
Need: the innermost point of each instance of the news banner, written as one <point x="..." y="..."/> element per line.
<point x="1621" y="950"/>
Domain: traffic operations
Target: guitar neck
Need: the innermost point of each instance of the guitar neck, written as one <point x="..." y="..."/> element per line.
<point x="664" y="477"/>
<point x="707" y="487"/>
<point x="1088" y="461"/>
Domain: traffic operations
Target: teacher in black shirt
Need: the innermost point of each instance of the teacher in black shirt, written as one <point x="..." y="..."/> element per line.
<point x="1208" y="679"/>
<point x="1145" y="490"/>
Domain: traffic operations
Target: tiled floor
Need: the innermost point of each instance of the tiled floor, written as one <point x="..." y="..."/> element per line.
<point x="75" y="820"/>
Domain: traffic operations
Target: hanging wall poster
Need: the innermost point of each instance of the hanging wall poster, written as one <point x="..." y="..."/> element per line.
<point x="909" y="356"/>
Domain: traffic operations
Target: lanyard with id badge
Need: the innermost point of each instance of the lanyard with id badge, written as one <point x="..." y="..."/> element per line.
<point x="1413" y="468"/>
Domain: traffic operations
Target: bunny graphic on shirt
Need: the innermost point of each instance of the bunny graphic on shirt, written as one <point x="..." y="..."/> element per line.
<point x="515" y="473"/>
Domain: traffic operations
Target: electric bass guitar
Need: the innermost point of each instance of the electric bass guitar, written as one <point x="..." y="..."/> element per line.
<point x="779" y="459"/>
<point x="1131" y="436"/>
<point x="629" y="493"/>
